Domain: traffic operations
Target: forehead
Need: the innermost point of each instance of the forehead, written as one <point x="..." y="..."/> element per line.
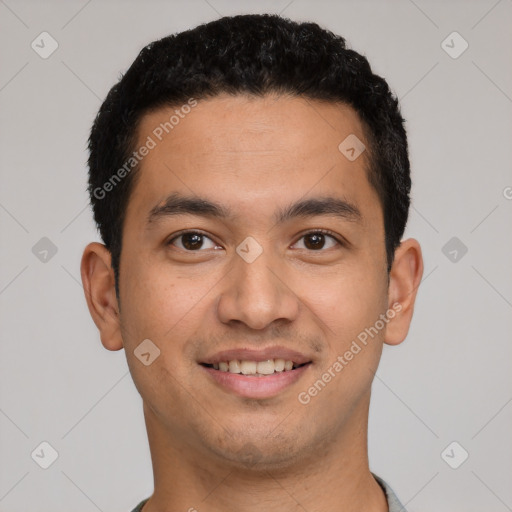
<point x="247" y="151"/>
<point x="245" y="123"/>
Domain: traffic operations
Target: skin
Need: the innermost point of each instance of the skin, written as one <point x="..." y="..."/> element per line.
<point x="211" y="449"/>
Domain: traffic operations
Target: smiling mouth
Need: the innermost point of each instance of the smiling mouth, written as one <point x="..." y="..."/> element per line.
<point x="255" y="368"/>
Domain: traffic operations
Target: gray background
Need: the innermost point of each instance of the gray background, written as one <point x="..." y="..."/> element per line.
<point x="451" y="379"/>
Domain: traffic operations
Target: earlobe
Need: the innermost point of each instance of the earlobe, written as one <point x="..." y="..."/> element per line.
<point x="99" y="288"/>
<point x="405" y="278"/>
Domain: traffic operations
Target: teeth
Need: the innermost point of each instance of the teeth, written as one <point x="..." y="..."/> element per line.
<point x="234" y="366"/>
<point x="248" y="367"/>
<point x="279" y="364"/>
<point x="259" y="368"/>
<point x="266" y="367"/>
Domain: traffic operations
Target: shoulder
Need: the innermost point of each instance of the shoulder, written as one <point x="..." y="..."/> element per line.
<point x="393" y="502"/>
<point x="138" y="508"/>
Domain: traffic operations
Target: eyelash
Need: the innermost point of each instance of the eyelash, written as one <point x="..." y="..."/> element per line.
<point x="311" y="232"/>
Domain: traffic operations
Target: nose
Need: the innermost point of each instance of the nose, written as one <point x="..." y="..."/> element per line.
<point x="257" y="293"/>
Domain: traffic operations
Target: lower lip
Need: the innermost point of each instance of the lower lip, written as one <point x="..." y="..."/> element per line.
<point x="256" y="387"/>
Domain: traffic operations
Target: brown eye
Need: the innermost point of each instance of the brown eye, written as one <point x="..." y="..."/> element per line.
<point x="317" y="240"/>
<point x="314" y="241"/>
<point x="192" y="241"/>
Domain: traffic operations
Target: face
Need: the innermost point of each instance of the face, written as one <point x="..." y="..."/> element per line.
<point x="250" y="278"/>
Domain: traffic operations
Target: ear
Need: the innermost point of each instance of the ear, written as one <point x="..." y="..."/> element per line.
<point x="100" y="294"/>
<point x="405" y="278"/>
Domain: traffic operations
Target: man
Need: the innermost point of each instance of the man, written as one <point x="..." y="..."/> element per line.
<point x="250" y="181"/>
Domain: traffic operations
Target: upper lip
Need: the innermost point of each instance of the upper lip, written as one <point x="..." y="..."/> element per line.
<point x="258" y="355"/>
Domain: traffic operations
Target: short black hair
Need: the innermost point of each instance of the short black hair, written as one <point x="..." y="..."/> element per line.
<point x="255" y="54"/>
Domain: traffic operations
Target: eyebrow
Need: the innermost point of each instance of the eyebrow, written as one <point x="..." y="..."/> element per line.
<point x="177" y="204"/>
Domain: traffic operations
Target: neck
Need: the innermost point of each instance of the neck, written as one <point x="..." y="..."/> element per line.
<point x="333" y="476"/>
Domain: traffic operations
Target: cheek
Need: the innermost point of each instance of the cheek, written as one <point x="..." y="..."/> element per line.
<point x="170" y="310"/>
<point x="347" y="299"/>
<point x="165" y="304"/>
<point x="148" y="292"/>
<point x="350" y="306"/>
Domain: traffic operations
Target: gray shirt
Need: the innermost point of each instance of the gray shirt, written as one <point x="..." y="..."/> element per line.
<point x="393" y="504"/>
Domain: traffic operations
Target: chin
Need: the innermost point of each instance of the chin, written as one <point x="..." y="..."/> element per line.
<point x="259" y="451"/>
